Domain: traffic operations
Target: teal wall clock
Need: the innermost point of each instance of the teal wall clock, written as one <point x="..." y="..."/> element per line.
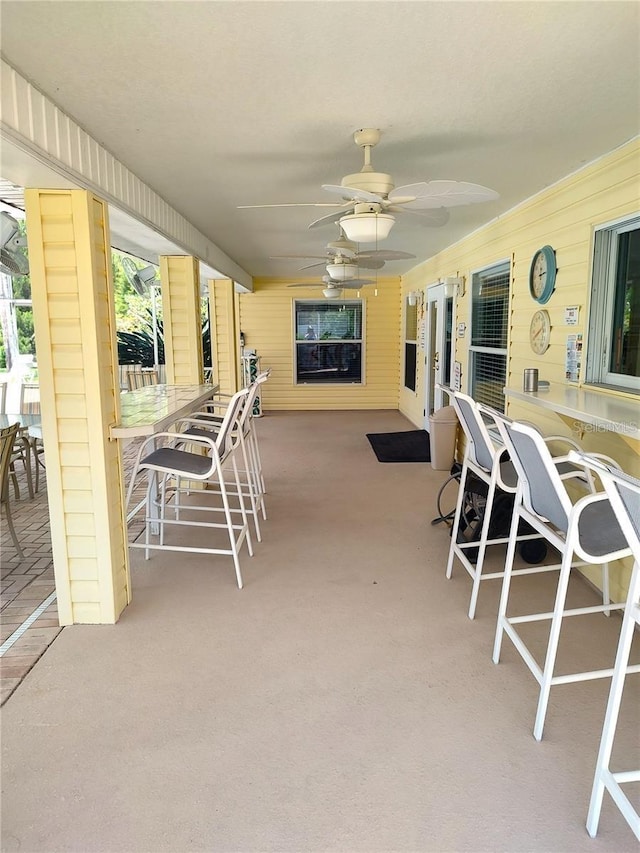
<point x="542" y="274"/>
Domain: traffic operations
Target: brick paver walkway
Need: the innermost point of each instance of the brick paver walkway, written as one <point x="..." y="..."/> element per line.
<point x="27" y="583"/>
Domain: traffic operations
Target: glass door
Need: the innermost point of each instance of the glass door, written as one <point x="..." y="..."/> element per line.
<point x="440" y="322"/>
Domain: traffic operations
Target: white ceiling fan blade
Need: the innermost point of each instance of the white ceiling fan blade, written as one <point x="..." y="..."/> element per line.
<point x="385" y="255"/>
<point x="435" y="217"/>
<point x="309" y="284"/>
<point x="290" y="204"/>
<point x="356" y="285"/>
<point x="370" y="263"/>
<point x="352" y="194"/>
<point x="295" y="257"/>
<point x="328" y="219"/>
<point x="354" y="282"/>
<point x="441" y="194"/>
<point x="311" y="266"/>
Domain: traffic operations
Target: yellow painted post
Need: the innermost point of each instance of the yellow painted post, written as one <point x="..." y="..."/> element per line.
<point x="72" y="293"/>
<point x="180" y="276"/>
<point x="224" y="335"/>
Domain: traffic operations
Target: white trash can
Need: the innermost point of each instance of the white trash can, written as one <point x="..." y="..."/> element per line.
<point x="443" y="426"/>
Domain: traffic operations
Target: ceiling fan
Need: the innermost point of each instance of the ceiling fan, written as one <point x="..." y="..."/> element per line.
<point x="343" y="260"/>
<point x="369" y="200"/>
<point x="332" y="288"/>
<point x="13" y="261"/>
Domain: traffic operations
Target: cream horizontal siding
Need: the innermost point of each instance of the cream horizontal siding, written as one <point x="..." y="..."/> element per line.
<point x="224" y="340"/>
<point x="266" y="318"/>
<point x="182" y="323"/>
<point x="564" y="216"/>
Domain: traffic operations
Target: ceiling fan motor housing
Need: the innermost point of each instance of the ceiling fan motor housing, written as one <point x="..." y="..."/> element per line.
<point x="372" y="182"/>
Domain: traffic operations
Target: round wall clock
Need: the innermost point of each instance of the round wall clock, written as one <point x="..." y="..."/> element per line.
<point x="540" y="332"/>
<point x="542" y="274"/>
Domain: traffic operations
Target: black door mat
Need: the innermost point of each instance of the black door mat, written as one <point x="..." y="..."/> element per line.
<point x="408" y="446"/>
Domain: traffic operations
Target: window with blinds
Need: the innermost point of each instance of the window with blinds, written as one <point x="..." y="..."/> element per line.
<point x="489" y="327"/>
<point x="410" y="345"/>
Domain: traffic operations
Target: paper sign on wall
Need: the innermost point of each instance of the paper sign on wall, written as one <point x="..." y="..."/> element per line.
<point x="571" y="315"/>
<point x="573" y="358"/>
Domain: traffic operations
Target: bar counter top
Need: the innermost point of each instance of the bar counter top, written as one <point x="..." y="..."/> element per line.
<point x="154" y="408"/>
<point x="587" y="405"/>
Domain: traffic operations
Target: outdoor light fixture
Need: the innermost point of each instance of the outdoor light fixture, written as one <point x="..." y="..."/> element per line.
<point x="412" y="298"/>
<point x="342" y="272"/>
<point x="367" y="224"/>
<point x="453" y="286"/>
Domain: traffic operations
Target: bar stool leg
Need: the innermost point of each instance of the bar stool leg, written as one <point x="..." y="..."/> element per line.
<point x="506" y="580"/>
<point x="456" y="518"/>
<point x="554" y="639"/>
<point x="482" y="547"/>
<point x="611" y="717"/>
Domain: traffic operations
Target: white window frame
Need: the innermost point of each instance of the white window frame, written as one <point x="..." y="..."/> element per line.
<point x="361" y="341"/>
<point x="412" y="341"/>
<point x="473" y="349"/>
<point x="602" y="303"/>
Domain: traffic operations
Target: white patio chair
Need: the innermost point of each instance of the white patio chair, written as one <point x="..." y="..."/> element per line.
<point x="624" y="493"/>
<point x="171" y="470"/>
<point x="587" y="529"/>
<point x="489" y="461"/>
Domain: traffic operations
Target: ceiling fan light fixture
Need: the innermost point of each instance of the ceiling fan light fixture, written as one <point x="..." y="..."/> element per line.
<point x="342" y="272"/>
<point x="367" y="227"/>
<point x="332" y="292"/>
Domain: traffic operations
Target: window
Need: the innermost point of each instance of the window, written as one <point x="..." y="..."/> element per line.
<point x="614" y="321"/>
<point x="410" y="344"/>
<point x="489" y="326"/>
<point x="328" y="348"/>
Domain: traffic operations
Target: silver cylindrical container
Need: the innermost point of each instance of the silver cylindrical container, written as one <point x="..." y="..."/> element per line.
<point x="531" y="379"/>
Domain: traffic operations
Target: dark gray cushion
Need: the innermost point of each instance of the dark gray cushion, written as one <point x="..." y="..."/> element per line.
<point x="598" y="529"/>
<point x="178" y="461"/>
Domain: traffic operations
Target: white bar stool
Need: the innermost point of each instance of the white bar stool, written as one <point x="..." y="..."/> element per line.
<point x="624" y="493"/>
<point x="587" y="528"/>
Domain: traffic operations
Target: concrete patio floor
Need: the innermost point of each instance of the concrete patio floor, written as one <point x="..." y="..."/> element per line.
<point x="342" y="701"/>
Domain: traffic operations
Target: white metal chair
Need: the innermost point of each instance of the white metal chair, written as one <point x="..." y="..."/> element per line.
<point x="490" y="463"/>
<point x="587" y="529"/>
<point x="252" y="480"/>
<point x="624" y="493"/>
<point x="171" y="469"/>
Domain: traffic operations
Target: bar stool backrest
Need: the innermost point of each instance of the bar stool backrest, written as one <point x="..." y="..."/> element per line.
<point x="481" y="450"/>
<point x="544" y="493"/>
<point x="624" y="493"/>
<point x="227" y="436"/>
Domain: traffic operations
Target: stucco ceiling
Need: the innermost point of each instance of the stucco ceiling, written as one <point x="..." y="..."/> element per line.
<point x="218" y="104"/>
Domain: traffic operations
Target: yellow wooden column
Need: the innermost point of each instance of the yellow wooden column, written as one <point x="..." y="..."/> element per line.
<point x="72" y="292"/>
<point x="180" y="276"/>
<point x="224" y="335"/>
